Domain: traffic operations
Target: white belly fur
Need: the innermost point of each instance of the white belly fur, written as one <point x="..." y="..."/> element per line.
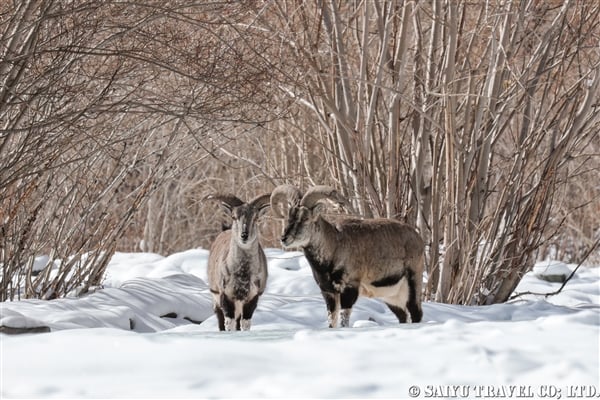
<point x="396" y="294"/>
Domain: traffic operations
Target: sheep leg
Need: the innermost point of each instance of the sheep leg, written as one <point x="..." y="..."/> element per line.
<point x="247" y="313"/>
<point x="398" y="302"/>
<point x="220" y="317"/>
<point x="399" y="312"/>
<point x="414" y="304"/>
<point x="332" y="301"/>
<point x="347" y="299"/>
<point x="228" y="308"/>
<point x="416" y="313"/>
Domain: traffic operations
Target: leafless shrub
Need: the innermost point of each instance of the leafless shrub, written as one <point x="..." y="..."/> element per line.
<point x="103" y="105"/>
<point x="475" y="121"/>
<point x="459" y="117"/>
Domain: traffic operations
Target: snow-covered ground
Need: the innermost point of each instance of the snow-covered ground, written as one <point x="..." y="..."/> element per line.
<point x="140" y="337"/>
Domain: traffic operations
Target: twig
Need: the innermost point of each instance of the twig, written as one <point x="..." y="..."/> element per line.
<point x="587" y="254"/>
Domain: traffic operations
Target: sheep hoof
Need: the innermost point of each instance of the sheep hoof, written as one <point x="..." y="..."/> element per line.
<point x="345" y="317"/>
<point x="245" y="324"/>
<point x="332" y="318"/>
<point x="230" y="324"/>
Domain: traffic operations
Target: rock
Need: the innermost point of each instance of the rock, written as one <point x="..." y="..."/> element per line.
<point x="552" y="271"/>
<point x="17" y="331"/>
<point x="14" y="323"/>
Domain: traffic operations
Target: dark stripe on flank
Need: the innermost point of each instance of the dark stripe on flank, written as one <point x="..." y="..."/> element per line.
<point x="387" y="281"/>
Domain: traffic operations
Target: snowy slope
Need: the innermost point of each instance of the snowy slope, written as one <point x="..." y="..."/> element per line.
<point x="148" y="343"/>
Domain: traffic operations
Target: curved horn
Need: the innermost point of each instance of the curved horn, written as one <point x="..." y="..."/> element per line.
<point x="261" y="202"/>
<point x="228" y="200"/>
<point x="284" y="194"/>
<point x="320" y="192"/>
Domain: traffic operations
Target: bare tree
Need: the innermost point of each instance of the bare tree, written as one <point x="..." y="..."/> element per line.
<point x="459" y="117"/>
<point x="103" y="105"/>
<point x="475" y="121"/>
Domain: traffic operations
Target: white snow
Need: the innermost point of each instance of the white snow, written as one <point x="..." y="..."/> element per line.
<point x="135" y="338"/>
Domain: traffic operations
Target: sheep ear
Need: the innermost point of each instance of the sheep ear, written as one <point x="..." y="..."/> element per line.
<point x="318" y="208"/>
<point x="263" y="210"/>
<point x="225" y="207"/>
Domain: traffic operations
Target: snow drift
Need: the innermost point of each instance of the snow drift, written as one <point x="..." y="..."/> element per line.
<point x="156" y="336"/>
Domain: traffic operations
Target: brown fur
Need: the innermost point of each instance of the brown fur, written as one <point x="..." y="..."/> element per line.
<point x="237" y="266"/>
<point x="373" y="248"/>
<point x="379" y="257"/>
